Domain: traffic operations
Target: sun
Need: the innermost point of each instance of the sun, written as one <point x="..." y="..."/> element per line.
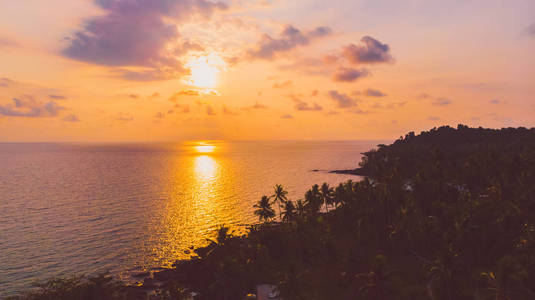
<point x="205" y="148"/>
<point x="205" y="71"/>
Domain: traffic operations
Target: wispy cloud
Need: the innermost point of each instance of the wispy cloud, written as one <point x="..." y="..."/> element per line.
<point x="28" y="106"/>
<point x="124" y="117"/>
<point x="162" y="73"/>
<point x="350" y="74"/>
<point x="188" y="93"/>
<point x="304" y="106"/>
<point x="57" y="97"/>
<point x="71" y="118"/>
<point x="7" y="43"/>
<point x="374" y="93"/>
<point x="283" y="85"/>
<point x="287" y="116"/>
<point x="531" y="29"/>
<point x="442" y="101"/>
<point x="5" y="82"/>
<point x="290" y="38"/>
<point x="342" y="100"/>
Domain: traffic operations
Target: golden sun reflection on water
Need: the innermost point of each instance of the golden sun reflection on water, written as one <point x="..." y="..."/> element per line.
<point x="200" y="203"/>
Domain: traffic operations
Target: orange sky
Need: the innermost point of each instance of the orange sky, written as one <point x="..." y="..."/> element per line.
<point x="172" y="70"/>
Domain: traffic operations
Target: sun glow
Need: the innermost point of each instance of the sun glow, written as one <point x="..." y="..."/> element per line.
<point x="205" y="71"/>
<point x="205" y="148"/>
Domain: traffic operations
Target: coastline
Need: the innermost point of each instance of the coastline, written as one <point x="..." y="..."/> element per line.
<point x="357" y="171"/>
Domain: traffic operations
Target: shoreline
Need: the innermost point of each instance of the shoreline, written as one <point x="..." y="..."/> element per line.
<point x="357" y="172"/>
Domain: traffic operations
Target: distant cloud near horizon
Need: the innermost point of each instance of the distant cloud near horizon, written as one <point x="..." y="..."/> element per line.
<point x="5" y="82"/>
<point x="258" y="106"/>
<point x="531" y="29"/>
<point x="136" y="33"/>
<point x="7" y="43"/>
<point x="124" y="117"/>
<point x="342" y="100"/>
<point x="287" y="116"/>
<point x="495" y="101"/>
<point x="290" y="38"/>
<point x="283" y="85"/>
<point x="370" y="52"/>
<point x="71" y="118"/>
<point x="350" y="74"/>
<point x="28" y="106"/>
<point x="442" y="101"/>
<point x="210" y="110"/>
<point x="228" y="111"/>
<point x="57" y="97"/>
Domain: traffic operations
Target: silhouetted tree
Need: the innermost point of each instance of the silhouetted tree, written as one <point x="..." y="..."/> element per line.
<point x="264" y="210"/>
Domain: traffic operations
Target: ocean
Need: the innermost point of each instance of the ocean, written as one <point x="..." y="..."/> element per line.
<point x="129" y="208"/>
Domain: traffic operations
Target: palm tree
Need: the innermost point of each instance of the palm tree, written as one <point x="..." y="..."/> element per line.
<point x="264" y="210"/>
<point x="339" y="195"/>
<point x="300" y="207"/>
<point x="313" y="199"/>
<point x="289" y="211"/>
<point x="279" y="197"/>
<point x="326" y="195"/>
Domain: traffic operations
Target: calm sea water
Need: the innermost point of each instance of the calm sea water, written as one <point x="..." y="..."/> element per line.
<point x="79" y="208"/>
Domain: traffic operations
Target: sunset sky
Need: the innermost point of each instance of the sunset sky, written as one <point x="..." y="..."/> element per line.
<point x="173" y="70"/>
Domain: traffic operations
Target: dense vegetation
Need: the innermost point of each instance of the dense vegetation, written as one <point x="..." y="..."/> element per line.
<point x="444" y="215"/>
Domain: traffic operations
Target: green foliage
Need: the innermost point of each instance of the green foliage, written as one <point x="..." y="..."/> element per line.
<point x="102" y="287"/>
<point x="444" y="215"/>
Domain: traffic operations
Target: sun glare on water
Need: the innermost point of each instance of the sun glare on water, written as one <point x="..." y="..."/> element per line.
<point x="205" y="71"/>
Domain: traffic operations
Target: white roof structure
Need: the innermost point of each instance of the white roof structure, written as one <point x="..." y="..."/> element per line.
<point x="267" y="292"/>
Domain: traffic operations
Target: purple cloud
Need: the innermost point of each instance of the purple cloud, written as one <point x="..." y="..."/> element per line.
<point x="370" y="52"/>
<point x="289" y="39"/>
<point x="287" y="116"/>
<point x="7" y="43"/>
<point x="442" y="101"/>
<point x="350" y="74"/>
<point x="28" y="106"/>
<point x="374" y="93"/>
<point x="531" y="29"/>
<point x="342" y="100"/>
<point x="5" y="82"/>
<point x="304" y="106"/>
<point x="71" y="118"/>
<point x="135" y="33"/>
